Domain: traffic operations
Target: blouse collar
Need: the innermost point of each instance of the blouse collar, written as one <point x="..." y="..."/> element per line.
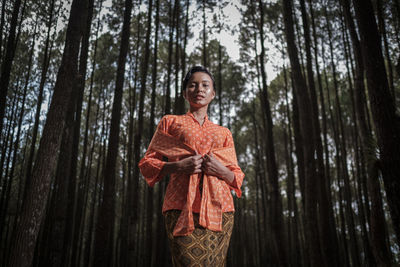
<point x="190" y="114"/>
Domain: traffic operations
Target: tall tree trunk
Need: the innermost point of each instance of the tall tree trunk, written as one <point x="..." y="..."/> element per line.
<point x="150" y="191"/>
<point x="139" y="131"/>
<point x="382" y="31"/>
<point x="272" y="169"/>
<point x="92" y="208"/>
<point x="327" y="234"/>
<point x="3" y="11"/>
<point x="84" y="180"/>
<point x="294" y="244"/>
<point x="265" y="204"/>
<point x="332" y="224"/>
<point x="178" y="93"/>
<point x="219" y="87"/>
<point x="105" y="226"/>
<point x="258" y="182"/>
<point x="204" y="52"/>
<point x="58" y="206"/>
<point x="300" y="89"/>
<point x="45" y="66"/>
<point x="154" y="72"/>
<point x="181" y="104"/>
<point x="387" y="123"/>
<point x="341" y="144"/>
<point x="169" y="63"/>
<point x="73" y="219"/>
<point x="3" y="211"/>
<point x="377" y="233"/>
<point x="8" y="61"/>
<point x="5" y="159"/>
<point x="34" y="206"/>
<point x="368" y="258"/>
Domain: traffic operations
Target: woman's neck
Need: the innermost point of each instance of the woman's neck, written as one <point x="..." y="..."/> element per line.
<point x="199" y="113"/>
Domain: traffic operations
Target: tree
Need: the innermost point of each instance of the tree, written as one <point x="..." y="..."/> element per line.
<point x="105" y="226"/>
<point x="306" y="127"/>
<point x="8" y="60"/>
<point x="387" y="123"/>
<point x="34" y="206"/>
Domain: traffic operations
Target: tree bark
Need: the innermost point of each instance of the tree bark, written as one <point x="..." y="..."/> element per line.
<point x="8" y="61"/>
<point x="74" y="210"/>
<point x="272" y="169"/>
<point x="387" y="123"/>
<point x="377" y="233"/>
<point x="169" y="63"/>
<point x="3" y="11"/>
<point x="327" y="233"/>
<point x="139" y="130"/>
<point x="105" y="226"/>
<point x="300" y="89"/>
<point x="204" y="52"/>
<point x="45" y="66"/>
<point x="34" y="206"/>
<point x="382" y="32"/>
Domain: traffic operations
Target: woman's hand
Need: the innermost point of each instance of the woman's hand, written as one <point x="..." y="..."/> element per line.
<point x="188" y="165"/>
<point x="213" y="166"/>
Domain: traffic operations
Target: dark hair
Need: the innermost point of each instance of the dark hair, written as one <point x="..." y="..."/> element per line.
<point x="194" y="70"/>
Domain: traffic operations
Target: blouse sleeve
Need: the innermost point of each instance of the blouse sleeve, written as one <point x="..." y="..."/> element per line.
<point x="239" y="175"/>
<point x="151" y="164"/>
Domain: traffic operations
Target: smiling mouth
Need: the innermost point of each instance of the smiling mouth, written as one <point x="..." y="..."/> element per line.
<point x="200" y="97"/>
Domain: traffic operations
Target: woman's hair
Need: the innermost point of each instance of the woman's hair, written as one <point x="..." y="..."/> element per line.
<point x="194" y="70"/>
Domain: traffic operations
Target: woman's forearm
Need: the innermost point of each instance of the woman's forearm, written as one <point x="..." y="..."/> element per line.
<point x="221" y="171"/>
<point x="228" y="176"/>
<point x="169" y="168"/>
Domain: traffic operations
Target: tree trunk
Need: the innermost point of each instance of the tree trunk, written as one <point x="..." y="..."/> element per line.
<point x="300" y="89"/>
<point x="169" y="63"/>
<point x="3" y="211"/>
<point x="341" y="144"/>
<point x="45" y="66"/>
<point x="154" y="73"/>
<point x="294" y="244"/>
<point x="104" y="239"/>
<point x="8" y="61"/>
<point x="133" y="216"/>
<point x="327" y="233"/>
<point x="3" y="11"/>
<point x="204" y="52"/>
<point x="387" y="123"/>
<point x="383" y="35"/>
<point x="34" y="206"/>
<point x="276" y="199"/>
<point x="74" y="215"/>
<point x="181" y="104"/>
<point x="178" y="93"/>
<point x="381" y="251"/>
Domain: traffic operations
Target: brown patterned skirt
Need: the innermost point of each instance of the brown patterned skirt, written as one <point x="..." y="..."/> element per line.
<point x="201" y="248"/>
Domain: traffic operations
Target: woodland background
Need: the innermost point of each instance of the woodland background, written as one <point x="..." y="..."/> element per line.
<point x="84" y="83"/>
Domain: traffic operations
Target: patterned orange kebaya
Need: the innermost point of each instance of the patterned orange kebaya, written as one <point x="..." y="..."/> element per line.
<point x="182" y="136"/>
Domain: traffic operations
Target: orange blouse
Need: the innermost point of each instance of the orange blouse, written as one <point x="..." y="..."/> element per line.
<point x="203" y="139"/>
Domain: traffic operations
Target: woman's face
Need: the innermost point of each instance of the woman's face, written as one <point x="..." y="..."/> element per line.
<point x="199" y="91"/>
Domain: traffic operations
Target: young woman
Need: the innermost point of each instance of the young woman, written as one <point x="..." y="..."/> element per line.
<point x="198" y="204"/>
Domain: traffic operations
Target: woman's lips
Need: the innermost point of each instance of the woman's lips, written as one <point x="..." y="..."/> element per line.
<point x="199" y="97"/>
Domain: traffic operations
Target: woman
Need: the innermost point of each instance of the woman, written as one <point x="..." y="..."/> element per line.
<point x="198" y="204"/>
